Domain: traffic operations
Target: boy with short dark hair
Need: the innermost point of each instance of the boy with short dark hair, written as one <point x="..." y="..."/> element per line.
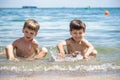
<point x="77" y="44"/>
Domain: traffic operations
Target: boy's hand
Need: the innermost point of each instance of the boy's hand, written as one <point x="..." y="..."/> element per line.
<point x="85" y="57"/>
<point x="38" y="56"/>
<point x="14" y="59"/>
<point x="61" y="56"/>
<point x="74" y="54"/>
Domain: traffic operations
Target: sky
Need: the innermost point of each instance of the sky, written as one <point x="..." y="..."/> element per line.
<point x="59" y="3"/>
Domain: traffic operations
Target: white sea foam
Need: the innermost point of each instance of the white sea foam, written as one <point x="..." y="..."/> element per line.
<point x="102" y="67"/>
<point x="98" y="67"/>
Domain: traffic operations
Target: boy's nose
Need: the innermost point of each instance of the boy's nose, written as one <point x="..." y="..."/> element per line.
<point x="77" y="34"/>
<point x="28" y="35"/>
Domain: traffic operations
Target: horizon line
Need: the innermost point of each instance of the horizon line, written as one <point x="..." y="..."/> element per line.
<point x="61" y="7"/>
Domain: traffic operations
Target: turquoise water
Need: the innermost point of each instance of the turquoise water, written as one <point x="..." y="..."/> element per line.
<point x="102" y="31"/>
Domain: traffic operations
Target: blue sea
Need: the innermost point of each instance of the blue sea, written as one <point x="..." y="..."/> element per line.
<point x="103" y="31"/>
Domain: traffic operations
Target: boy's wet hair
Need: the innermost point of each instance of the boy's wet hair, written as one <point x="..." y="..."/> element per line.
<point x="32" y="25"/>
<point x="77" y="25"/>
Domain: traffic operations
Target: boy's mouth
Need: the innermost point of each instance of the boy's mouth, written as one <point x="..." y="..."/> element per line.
<point x="28" y="37"/>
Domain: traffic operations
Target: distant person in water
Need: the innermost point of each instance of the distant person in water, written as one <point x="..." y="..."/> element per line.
<point x="26" y="46"/>
<point x="77" y="44"/>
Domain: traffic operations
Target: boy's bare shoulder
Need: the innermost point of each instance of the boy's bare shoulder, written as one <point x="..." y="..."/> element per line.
<point x="35" y="42"/>
<point x="68" y="40"/>
<point x="86" y="42"/>
<point x="17" y="41"/>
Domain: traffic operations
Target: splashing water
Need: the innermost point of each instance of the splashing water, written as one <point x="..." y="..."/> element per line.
<point x="67" y="57"/>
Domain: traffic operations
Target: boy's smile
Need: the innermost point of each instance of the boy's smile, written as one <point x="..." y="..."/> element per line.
<point x="77" y="35"/>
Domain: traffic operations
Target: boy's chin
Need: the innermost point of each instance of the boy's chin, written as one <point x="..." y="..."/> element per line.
<point x="77" y="40"/>
<point x="28" y="39"/>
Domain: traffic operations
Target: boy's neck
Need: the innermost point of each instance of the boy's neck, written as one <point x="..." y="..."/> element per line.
<point x="76" y="41"/>
<point x="27" y="40"/>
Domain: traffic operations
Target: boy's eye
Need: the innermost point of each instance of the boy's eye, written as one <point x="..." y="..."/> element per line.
<point x="80" y="32"/>
<point x="74" y="32"/>
<point x="77" y="33"/>
<point x="26" y="31"/>
<point x="31" y="33"/>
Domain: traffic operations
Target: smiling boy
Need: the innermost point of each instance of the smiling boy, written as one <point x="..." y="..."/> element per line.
<point x="26" y="46"/>
<point x="77" y="44"/>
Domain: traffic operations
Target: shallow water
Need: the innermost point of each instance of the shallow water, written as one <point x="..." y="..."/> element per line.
<point x="102" y="31"/>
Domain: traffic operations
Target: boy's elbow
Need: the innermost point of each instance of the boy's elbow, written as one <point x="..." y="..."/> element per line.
<point x="45" y="50"/>
<point x="8" y="47"/>
<point x="58" y="45"/>
<point x="91" y="48"/>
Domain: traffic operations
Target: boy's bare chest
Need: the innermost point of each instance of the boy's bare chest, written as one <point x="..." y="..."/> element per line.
<point x="76" y="46"/>
<point x="25" y="47"/>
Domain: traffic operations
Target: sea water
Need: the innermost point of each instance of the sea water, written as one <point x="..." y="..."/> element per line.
<point x="102" y="31"/>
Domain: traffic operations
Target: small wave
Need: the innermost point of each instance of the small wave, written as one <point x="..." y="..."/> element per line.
<point x="103" y="67"/>
<point x="87" y="68"/>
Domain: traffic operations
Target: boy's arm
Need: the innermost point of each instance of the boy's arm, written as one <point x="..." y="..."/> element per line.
<point x="60" y="47"/>
<point x="10" y="53"/>
<point x="89" y="50"/>
<point x="36" y="47"/>
<point x="36" y="51"/>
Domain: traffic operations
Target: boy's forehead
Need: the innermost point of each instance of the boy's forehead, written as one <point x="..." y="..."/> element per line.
<point x="28" y="29"/>
<point x="78" y="30"/>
